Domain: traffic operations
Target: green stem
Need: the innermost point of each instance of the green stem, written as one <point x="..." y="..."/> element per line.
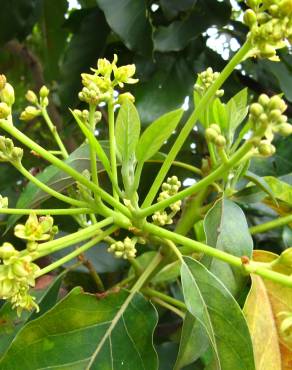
<point x="136" y="287"/>
<point x="75" y="253"/>
<point x="92" y="151"/>
<point x="168" y="306"/>
<point x="64" y="211"/>
<point x="186" y="166"/>
<point x="189" y="245"/>
<point x="112" y="141"/>
<point x="54" y="132"/>
<point x="155" y="293"/>
<point x="281" y="221"/>
<point x="12" y="130"/>
<point x="47" y="189"/>
<point x="68" y="240"/>
<point x="237" y="58"/>
<point x="202" y="184"/>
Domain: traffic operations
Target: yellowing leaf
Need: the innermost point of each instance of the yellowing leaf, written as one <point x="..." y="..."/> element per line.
<point x="265" y="303"/>
<point x="262" y="327"/>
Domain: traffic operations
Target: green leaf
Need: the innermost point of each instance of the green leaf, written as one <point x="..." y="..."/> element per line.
<point x="156" y="134"/>
<point x="280" y="189"/>
<point x="127" y="131"/>
<point x="10" y="323"/>
<point x="90" y="32"/>
<point x="54" y="35"/>
<point x="32" y="196"/>
<point x="17" y="18"/>
<point x="261" y="182"/>
<point x="219" y="114"/>
<point x="227" y="230"/>
<point x="128" y="19"/>
<point x="193" y="343"/>
<point x="237" y="110"/>
<point x="210" y="302"/>
<point x="67" y="336"/>
<point x="171" y="8"/>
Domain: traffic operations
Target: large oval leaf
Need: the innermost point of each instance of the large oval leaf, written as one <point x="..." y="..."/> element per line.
<point x="67" y="336"/>
<point x="226" y="229"/>
<point x="210" y="302"/>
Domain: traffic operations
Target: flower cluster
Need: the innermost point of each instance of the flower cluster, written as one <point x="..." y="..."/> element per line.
<point x="84" y="116"/>
<point x="270" y="23"/>
<point x="169" y="188"/>
<point x="8" y="152"/>
<point x="7" y="98"/>
<point x="266" y="117"/>
<point x="35" y="110"/>
<point x="99" y="86"/>
<point x="205" y="80"/>
<point x="36" y="230"/>
<point x="213" y="134"/>
<point x="124" y="249"/>
<point x="17" y="274"/>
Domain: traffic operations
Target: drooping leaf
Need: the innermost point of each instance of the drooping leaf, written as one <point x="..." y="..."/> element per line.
<point x="128" y="18"/>
<point x="226" y="229"/>
<point x="10" y="323"/>
<point x="262" y="184"/>
<point x="280" y="189"/>
<point x="127" y="131"/>
<point x="156" y="134"/>
<point x="211" y="303"/>
<point x="84" y="332"/>
<point x="32" y="196"/>
<point x="193" y="343"/>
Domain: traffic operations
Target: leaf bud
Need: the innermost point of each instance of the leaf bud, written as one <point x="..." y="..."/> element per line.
<point x="5" y="110"/>
<point x="7" y="94"/>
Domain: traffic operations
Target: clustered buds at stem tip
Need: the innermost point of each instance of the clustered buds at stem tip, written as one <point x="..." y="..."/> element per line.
<point x="125" y="249"/>
<point x="205" y="80"/>
<point x="169" y="188"/>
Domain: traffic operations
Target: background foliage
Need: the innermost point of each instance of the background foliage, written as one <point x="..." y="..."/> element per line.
<point x="48" y="41"/>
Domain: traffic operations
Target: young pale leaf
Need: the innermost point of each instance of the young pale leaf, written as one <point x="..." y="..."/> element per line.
<point x="68" y="335"/>
<point x="211" y="303"/>
<point x="226" y="229"/>
<point x="237" y="109"/>
<point x="156" y="134"/>
<point x="127" y="131"/>
<point x="219" y="114"/>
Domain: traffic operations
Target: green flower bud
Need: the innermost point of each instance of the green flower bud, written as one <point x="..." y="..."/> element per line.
<point x="104" y="67"/>
<point x="46" y="224"/>
<point x="31" y="97"/>
<point x="216" y="127"/>
<point x="275" y="114"/>
<point x="264" y="100"/>
<point x="256" y="109"/>
<point x="5" y="110"/>
<point x="211" y="134"/>
<point x="16" y="155"/>
<point x="277" y="103"/>
<point x="249" y="17"/>
<point x="263" y="118"/>
<point x="3" y="202"/>
<point x="97" y="116"/>
<point x="44" y="91"/>
<point x="220" y="141"/>
<point x="266" y="148"/>
<point x="285" y="129"/>
<point x="6" y="288"/>
<point x="7" y="250"/>
<point x="2" y="81"/>
<point x="44" y="102"/>
<point x="29" y="113"/>
<point x="7" y="94"/>
<point x="21" y="269"/>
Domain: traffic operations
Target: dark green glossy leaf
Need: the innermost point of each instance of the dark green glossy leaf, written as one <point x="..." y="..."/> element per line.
<point x="171" y="8"/>
<point x="226" y="229"/>
<point x="10" y="323"/>
<point x="17" y="18"/>
<point x="127" y="131"/>
<point x="85" y="47"/>
<point x="211" y="303"/>
<point x="76" y="332"/>
<point x="193" y="343"/>
<point x="156" y="134"/>
<point x="54" y="35"/>
<point x="128" y="18"/>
